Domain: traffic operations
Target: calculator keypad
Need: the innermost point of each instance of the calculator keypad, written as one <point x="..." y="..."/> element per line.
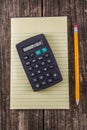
<point x="39" y="62"/>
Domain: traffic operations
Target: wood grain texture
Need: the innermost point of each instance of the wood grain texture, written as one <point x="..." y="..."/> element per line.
<point x="76" y="117"/>
<point x="14" y="119"/>
<point x="69" y="120"/>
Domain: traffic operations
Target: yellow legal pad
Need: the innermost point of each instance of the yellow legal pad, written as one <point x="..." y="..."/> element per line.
<point x="21" y="95"/>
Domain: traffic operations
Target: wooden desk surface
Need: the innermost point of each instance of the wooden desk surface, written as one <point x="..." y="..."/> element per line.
<point x="76" y="117"/>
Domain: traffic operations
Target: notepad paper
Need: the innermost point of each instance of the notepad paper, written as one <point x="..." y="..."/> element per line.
<point x="21" y="94"/>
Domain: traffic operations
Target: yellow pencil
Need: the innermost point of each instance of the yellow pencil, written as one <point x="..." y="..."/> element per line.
<point x="76" y="52"/>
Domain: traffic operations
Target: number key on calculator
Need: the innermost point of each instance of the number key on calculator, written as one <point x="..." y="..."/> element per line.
<point x="39" y="62"/>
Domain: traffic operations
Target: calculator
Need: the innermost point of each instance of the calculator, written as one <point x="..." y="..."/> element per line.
<point x="39" y="62"/>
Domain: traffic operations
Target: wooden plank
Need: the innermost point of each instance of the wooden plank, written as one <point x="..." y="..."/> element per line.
<point x="0" y="87"/>
<point x="4" y="64"/>
<point x="68" y="120"/>
<point x="6" y="117"/>
<point x="1" y="5"/>
<point x="35" y="121"/>
<point x="30" y="8"/>
<point x="50" y="120"/>
<point x="82" y="19"/>
<point x="83" y="107"/>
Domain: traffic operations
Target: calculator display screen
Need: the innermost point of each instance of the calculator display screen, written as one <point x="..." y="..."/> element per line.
<point x="27" y="48"/>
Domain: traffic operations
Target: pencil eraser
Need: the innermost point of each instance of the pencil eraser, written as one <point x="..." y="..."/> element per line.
<point x="75" y="26"/>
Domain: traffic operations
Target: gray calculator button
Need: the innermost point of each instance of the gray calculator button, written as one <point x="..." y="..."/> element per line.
<point x="34" y="60"/>
<point x="38" y="71"/>
<point x="43" y="82"/>
<point x="40" y="58"/>
<point x="37" y="85"/>
<point x="36" y="66"/>
<point x="50" y="80"/>
<point x="26" y="57"/>
<point x="42" y="63"/>
<point x="55" y="76"/>
<point x="30" y="68"/>
<point x="41" y="77"/>
<point x="34" y="80"/>
<point x="46" y="55"/>
<point x="45" y="69"/>
<point x="28" y="63"/>
<point x="51" y="66"/>
<point x="49" y="61"/>
<point x="32" y="74"/>
<point x="32" y="55"/>
<point x="47" y="74"/>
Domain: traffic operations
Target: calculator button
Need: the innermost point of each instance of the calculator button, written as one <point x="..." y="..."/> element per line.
<point x="55" y="76"/>
<point x="34" y="60"/>
<point x="51" y="66"/>
<point x="37" y="85"/>
<point x="43" y="82"/>
<point x="28" y="63"/>
<point x="42" y="63"/>
<point x="32" y="55"/>
<point x="47" y="74"/>
<point x="36" y="66"/>
<point x="38" y="52"/>
<point x="30" y="68"/>
<point x="38" y="71"/>
<point x="41" y="77"/>
<point x="45" y="69"/>
<point x="32" y="74"/>
<point x="40" y="58"/>
<point x="49" y="61"/>
<point x="44" y="50"/>
<point x="34" y="80"/>
<point x="46" y="55"/>
<point x="26" y="57"/>
<point x="50" y="80"/>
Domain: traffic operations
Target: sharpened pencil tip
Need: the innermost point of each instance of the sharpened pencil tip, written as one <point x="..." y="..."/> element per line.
<point x="77" y="102"/>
